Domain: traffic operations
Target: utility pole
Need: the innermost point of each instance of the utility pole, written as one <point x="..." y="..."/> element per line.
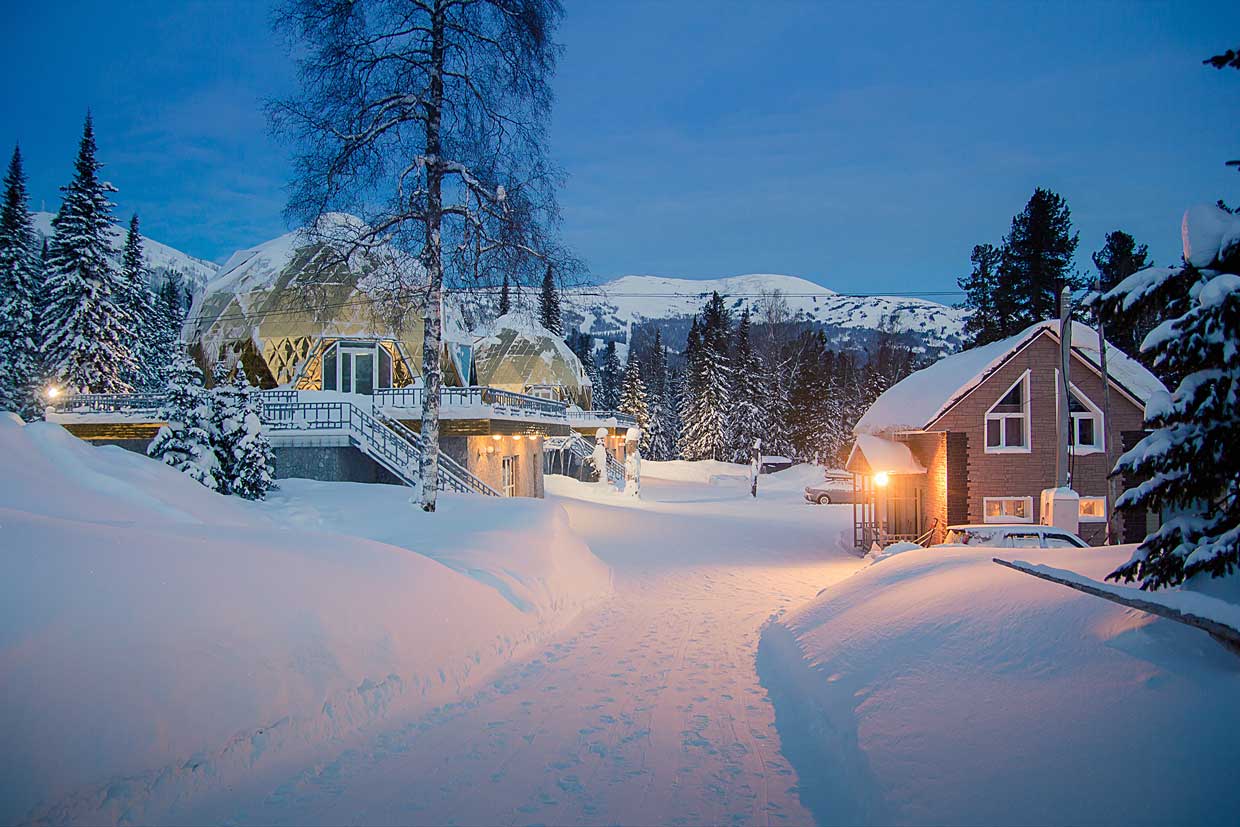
<point x="1063" y="476"/>
<point x="1106" y="415"/>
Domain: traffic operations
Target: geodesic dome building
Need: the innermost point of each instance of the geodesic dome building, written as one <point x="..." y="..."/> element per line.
<point x="296" y="314"/>
<point x="517" y="353"/>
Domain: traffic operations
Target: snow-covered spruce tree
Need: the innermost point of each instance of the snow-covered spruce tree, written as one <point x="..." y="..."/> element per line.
<point x="549" y="304"/>
<point x="981" y="288"/>
<point x="708" y="386"/>
<point x="20" y="281"/>
<point x="747" y="418"/>
<point x="140" y="311"/>
<point x="775" y="413"/>
<point x="184" y="441"/>
<point x="611" y="377"/>
<point x="1188" y="461"/>
<point x="657" y="440"/>
<point x="168" y="316"/>
<point x="227" y="426"/>
<point x="253" y="462"/>
<point x="1118" y="259"/>
<point x="633" y="399"/>
<point x="83" y="318"/>
<point x="427" y="120"/>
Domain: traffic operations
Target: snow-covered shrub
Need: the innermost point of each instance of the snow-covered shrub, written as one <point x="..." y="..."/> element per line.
<point x="243" y="454"/>
<point x="1189" y="461"/>
<point x="184" y="441"/>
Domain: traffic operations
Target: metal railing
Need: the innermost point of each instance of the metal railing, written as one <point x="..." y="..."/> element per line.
<point x="474" y="396"/>
<point x="452" y="474"/>
<point x="621" y="418"/>
<point x="122" y="403"/>
<point x="581" y="448"/>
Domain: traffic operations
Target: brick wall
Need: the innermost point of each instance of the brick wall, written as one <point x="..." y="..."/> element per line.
<point x="1026" y="474"/>
<point x="930" y="449"/>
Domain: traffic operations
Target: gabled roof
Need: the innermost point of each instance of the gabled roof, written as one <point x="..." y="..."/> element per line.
<point x="872" y="454"/>
<point x="919" y="399"/>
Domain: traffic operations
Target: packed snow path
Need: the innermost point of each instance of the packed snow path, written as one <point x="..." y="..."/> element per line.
<point x="647" y="711"/>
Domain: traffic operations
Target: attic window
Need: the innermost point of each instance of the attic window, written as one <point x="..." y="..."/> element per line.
<point x="1007" y="422"/>
<point x="1086" y="432"/>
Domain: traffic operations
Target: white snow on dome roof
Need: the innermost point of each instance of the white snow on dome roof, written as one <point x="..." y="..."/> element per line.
<point x="1208" y="232"/>
<point x="921" y="397"/>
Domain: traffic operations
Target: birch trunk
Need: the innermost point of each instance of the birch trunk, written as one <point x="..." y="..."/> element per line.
<point x="432" y="335"/>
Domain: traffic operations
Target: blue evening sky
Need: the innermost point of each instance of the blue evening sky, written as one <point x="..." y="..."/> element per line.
<point x="867" y="147"/>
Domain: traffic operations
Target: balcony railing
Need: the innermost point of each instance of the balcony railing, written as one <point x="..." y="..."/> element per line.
<point x="623" y="419"/>
<point x="500" y="401"/>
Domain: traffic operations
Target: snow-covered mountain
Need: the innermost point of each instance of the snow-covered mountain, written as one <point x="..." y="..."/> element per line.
<point x="161" y="259"/>
<point x="611" y="309"/>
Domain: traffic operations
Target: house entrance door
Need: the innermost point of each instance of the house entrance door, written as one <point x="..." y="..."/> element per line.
<point x="357" y="370"/>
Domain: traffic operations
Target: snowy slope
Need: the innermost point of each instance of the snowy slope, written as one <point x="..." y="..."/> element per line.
<point x="160" y="258"/>
<point x="159" y="641"/>
<point x="614" y="306"/>
<point x="936" y="687"/>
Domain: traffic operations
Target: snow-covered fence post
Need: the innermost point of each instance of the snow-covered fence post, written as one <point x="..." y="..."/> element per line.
<point x="599" y="457"/>
<point x="633" y="462"/>
<point x="755" y="467"/>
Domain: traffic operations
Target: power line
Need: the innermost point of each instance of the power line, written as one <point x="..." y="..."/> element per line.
<point x="573" y="293"/>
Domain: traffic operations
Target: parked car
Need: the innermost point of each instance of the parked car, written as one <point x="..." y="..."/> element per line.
<point x="772" y="463"/>
<point x="1016" y="535"/>
<point x="836" y="488"/>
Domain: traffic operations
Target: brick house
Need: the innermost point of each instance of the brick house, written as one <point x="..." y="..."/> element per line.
<point x="974" y="438"/>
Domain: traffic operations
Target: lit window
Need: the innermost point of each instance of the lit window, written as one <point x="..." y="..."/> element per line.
<point x="1085" y="433"/>
<point x="1007" y="509"/>
<point x="1093" y="509"/>
<point x="1007" y="422"/>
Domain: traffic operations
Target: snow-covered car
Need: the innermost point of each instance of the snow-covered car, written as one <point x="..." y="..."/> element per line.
<point x="836" y="488"/>
<point x="1016" y="535"/>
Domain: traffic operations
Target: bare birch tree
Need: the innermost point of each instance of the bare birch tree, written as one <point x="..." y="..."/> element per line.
<point x="427" y="119"/>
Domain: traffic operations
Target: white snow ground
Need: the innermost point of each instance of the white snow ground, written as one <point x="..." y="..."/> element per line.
<point x="936" y="687"/>
<point x="159" y="643"/>
<point x="647" y="711"/>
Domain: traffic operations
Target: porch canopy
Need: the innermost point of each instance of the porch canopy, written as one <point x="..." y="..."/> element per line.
<point x="873" y="454"/>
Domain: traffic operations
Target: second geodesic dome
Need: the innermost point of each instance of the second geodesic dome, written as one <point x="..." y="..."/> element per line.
<point x="517" y="353"/>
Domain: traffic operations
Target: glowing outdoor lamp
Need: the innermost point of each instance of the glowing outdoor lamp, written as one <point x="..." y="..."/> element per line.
<point x="496" y="437"/>
<point x="881" y="479"/>
<point x="51" y="391"/>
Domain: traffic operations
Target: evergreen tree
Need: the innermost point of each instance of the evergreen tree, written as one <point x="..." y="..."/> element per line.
<point x="85" y="339"/>
<point x="505" y="300"/>
<point x="1119" y="258"/>
<point x="247" y="461"/>
<point x="611" y="375"/>
<point x="809" y="397"/>
<point x="747" y="414"/>
<point x="981" y="289"/>
<point x="633" y="400"/>
<point x="20" y="277"/>
<point x="184" y="441"/>
<point x="1036" y="264"/>
<point x="168" y="318"/>
<point x="140" y="311"/>
<point x="708" y="389"/>
<point x="1188" y="463"/>
<point x="582" y="344"/>
<point x="228" y="408"/>
<point x="549" y="304"/>
<point x="777" y="439"/>
<point x="657" y="440"/>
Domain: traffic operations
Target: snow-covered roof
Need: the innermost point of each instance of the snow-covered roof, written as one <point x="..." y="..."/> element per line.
<point x="884" y="455"/>
<point x="920" y="398"/>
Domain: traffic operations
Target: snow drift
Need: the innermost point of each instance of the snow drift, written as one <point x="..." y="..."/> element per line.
<point x="158" y="640"/>
<point x="938" y="687"/>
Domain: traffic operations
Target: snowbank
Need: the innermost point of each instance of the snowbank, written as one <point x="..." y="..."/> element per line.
<point x="158" y="640"/>
<point x="939" y="687"/>
<point x="706" y="471"/>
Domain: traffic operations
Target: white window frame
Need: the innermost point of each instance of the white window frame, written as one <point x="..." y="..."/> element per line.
<point x="1003" y="518"/>
<point x="1092" y="519"/>
<point x="1095" y="413"/>
<point x="1025" y="415"/>
<point x="508" y="475"/>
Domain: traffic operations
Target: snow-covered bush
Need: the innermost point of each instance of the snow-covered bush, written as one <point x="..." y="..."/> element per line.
<point x="184" y="441"/>
<point x="1189" y="461"/>
<point x="253" y="463"/>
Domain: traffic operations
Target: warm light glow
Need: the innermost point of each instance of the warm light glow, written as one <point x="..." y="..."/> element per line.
<point x="516" y="436"/>
<point x="881" y="479"/>
<point x="490" y="449"/>
<point x="496" y="437"/>
<point x="51" y="392"/>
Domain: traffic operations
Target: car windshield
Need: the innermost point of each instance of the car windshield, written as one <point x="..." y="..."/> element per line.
<point x="1062" y="541"/>
<point x="1025" y="540"/>
<point x="969" y="537"/>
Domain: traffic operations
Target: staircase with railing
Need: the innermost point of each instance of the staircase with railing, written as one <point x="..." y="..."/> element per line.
<point x="452" y="475"/>
<point x="583" y="450"/>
